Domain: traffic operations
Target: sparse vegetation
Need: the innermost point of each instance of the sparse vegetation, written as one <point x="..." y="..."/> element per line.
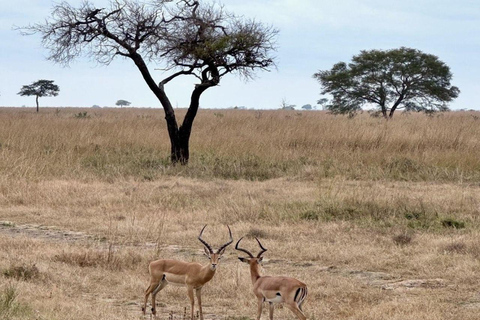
<point x="345" y="205"/>
<point x="278" y="144"/>
<point x="10" y="309"/>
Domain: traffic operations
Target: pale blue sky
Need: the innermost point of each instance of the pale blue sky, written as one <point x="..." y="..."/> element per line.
<point x="314" y="34"/>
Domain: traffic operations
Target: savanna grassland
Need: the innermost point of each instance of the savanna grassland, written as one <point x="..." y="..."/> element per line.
<point x="380" y="219"/>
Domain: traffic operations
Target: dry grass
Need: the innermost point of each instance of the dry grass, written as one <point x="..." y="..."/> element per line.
<point x="253" y="145"/>
<point x="350" y="206"/>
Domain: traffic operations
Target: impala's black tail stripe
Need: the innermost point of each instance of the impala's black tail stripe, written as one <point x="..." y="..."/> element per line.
<point x="296" y="294"/>
<point x="300" y="296"/>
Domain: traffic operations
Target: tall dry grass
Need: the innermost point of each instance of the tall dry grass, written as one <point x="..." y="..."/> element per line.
<point x="239" y="144"/>
<point x="348" y="206"/>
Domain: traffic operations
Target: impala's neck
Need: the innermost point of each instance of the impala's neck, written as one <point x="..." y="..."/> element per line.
<point x="255" y="271"/>
<point x="207" y="272"/>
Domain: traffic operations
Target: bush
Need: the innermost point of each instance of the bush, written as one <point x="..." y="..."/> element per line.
<point x="452" y="223"/>
<point x="23" y="272"/>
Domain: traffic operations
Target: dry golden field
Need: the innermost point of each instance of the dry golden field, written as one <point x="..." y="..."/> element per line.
<point x="380" y="219"/>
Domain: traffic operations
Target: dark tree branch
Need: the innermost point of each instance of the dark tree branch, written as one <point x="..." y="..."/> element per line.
<point x="186" y="37"/>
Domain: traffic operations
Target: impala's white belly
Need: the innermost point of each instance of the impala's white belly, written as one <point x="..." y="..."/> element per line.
<point x="276" y="299"/>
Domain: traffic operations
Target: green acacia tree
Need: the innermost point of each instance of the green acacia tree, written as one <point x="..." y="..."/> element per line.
<point x="123" y="103"/>
<point x="389" y="80"/>
<point x="40" y="88"/>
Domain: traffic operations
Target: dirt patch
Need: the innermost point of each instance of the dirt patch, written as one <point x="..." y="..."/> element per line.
<point x="370" y="277"/>
<point x="415" y="283"/>
<point x="37" y="231"/>
<point x="53" y="233"/>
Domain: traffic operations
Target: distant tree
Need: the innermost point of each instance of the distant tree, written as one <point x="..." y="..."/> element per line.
<point x="285" y="105"/>
<point x="40" y="88"/>
<point x="307" y="107"/>
<point x="185" y="37"/>
<point x="322" y="103"/>
<point x="122" y="103"/>
<point x="394" y="79"/>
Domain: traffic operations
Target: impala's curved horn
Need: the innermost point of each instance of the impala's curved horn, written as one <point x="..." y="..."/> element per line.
<point x="243" y="250"/>
<point x="228" y="243"/>
<point x="204" y="242"/>
<point x="261" y="247"/>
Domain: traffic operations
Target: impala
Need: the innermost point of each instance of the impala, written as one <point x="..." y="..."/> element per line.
<point x="190" y="274"/>
<point x="286" y="290"/>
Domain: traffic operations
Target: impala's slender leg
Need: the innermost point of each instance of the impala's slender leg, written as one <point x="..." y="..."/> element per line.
<point x="292" y="305"/>
<point x="288" y="290"/>
<point x="151" y="288"/>
<point x="270" y="310"/>
<point x="190" y="274"/>
<point x="260" y="307"/>
<point x="192" y="300"/>
<point x="199" y="298"/>
<point x="159" y="287"/>
<point x="147" y="293"/>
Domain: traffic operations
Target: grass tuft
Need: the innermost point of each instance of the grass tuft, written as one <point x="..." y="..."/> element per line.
<point x="452" y="223"/>
<point x="10" y="309"/>
<point x="402" y="239"/>
<point x="108" y="259"/>
<point x="22" y="272"/>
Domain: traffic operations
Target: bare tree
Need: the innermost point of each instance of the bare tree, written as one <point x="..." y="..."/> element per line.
<point x="185" y="37"/>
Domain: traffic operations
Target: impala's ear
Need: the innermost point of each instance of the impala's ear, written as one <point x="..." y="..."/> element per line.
<point x="260" y="260"/>
<point x="207" y="252"/>
<point x="243" y="259"/>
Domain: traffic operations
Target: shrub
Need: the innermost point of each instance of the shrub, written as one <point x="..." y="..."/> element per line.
<point x="452" y="223"/>
<point x="23" y="272"/>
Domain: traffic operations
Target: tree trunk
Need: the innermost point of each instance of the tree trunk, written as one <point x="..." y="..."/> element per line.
<point x="384" y="113"/>
<point x="180" y="143"/>
<point x="180" y="152"/>
<point x="179" y="137"/>
<point x="179" y="147"/>
<point x="396" y="104"/>
<point x="37" y="104"/>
